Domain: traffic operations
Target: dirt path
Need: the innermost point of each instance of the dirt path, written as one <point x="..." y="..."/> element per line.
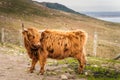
<point x="14" y="65"/>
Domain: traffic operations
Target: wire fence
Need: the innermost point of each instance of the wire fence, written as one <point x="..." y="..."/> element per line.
<point x="15" y="37"/>
<point x="11" y="36"/>
<point x="96" y="48"/>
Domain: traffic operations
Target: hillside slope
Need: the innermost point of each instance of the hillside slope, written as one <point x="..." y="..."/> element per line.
<point x="20" y="7"/>
<point x="15" y="12"/>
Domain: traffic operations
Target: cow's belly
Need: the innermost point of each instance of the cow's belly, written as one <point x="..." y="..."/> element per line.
<point x="58" y="55"/>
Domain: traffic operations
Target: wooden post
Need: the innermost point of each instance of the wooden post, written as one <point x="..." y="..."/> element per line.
<point x="2" y="35"/>
<point x="20" y="38"/>
<point x="95" y="44"/>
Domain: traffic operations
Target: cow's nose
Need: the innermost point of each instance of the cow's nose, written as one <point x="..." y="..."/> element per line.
<point x="37" y="45"/>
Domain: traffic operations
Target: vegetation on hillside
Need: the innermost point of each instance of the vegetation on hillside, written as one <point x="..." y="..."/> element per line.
<point x="21" y="7"/>
<point x="57" y="6"/>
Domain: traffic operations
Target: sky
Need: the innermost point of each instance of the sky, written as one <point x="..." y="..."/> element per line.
<point x="88" y="5"/>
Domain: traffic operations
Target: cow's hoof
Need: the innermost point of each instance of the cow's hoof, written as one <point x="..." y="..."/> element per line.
<point x="80" y="71"/>
<point x="30" y="71"/>
<point x="41" y="72"/>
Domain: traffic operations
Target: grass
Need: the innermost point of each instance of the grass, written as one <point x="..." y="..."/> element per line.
<point x="107" y="49"/>
<point x="102" y="73"/>
<point x="8" y="48"/>
<point x="94" y="69"/>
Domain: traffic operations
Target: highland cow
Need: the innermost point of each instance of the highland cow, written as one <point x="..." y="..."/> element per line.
<point x="56" y="44"/>
<point x="32" y="43"/>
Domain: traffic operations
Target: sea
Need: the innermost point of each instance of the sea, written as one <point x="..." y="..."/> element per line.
<point x="106" y="16"/>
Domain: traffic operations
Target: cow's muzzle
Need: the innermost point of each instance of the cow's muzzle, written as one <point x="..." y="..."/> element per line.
<point x="36" y="46"/>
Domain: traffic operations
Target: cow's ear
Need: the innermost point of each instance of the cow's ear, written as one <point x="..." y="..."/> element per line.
<point x="42" y="36"/>
<point x="25" y="31"/>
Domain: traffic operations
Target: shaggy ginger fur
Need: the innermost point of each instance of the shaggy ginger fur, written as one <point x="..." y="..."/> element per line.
<point x="56" y="44"/>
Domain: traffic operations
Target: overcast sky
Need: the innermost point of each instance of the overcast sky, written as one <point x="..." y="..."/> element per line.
<point x="88" y="5"/>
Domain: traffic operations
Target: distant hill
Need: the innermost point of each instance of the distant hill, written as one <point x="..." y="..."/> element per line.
<point x="58" y="6"/>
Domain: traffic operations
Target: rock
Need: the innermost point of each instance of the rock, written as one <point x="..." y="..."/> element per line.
<point x="95" y="65"/>
<point x="53" y="73"/>
<point x="86" y="73"/>
<point x="70" y="76"/>
<point x="64" y="77"/>
<point x="70" y="70"/>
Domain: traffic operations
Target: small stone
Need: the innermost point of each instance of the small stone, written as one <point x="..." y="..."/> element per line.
<point x="64" y="77"/>
<point x="70" y="76"/>
<point x="70" y="70"/>
<point x="53" y="73"/>
<point x="86" y="73"/>
<point x="95" y="65"/>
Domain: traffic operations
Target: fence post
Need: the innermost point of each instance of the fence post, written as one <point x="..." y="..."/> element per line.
<point x="2" y="35"/>
<point x="20" y="38"/>
<point x="95" y="44"/>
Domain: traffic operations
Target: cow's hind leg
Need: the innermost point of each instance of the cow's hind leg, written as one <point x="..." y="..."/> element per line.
<point x="42" y="61"/>
<point x="82" y="61"/>
<point x="34" y="61"/>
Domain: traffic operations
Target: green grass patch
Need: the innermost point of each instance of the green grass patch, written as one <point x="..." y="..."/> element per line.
<point x="11" y="48"/>
<point x="68" y="61"/>
<point x="99" y="72"/>
<point x="94" y="69"/>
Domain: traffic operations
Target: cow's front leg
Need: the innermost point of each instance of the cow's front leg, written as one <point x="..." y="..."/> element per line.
<point x="34" y="61"/>
<point x="42" y="61"/>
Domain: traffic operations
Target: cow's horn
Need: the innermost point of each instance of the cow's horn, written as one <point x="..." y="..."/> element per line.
<point x="41" y="31"/>
<point x="22" y="27"/>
